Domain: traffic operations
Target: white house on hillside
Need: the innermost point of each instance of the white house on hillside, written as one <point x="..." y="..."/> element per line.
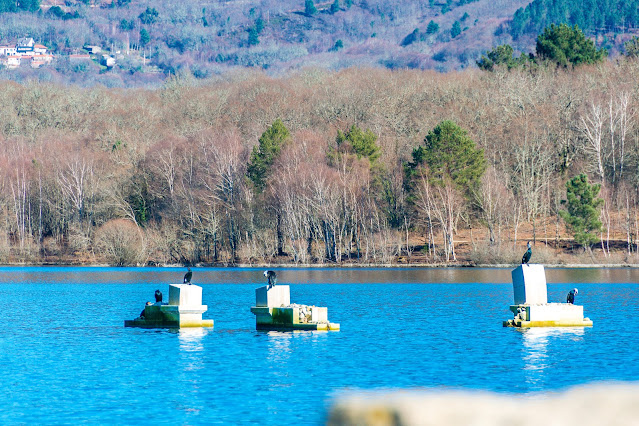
<point x="25" y="49"/>
<point x="7" y="50"/>
<point x="25" y="46"/>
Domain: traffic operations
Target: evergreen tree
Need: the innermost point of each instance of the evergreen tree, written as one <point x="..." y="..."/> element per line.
<point x="339" y="44"/>
<point x="456" y="29"/>
<point x="360" y="143"/>
<point x="259" y="25"/>
<point x="7" y="6"/>
<point x="432" y="28"/>
<point x="335" y="6"/>
<point x="125" y="25"/>
<point x="149" y="16"/>
<point x="145" y="37"/>
<point x="591" y="15"/>
<point x="632" y="47"/>
<point x="501" y="55"/>
<point x="309" y="8"/>
<point x="582" y="214"/>
<point x="253" y="37"/>
<point x="449" y="155"/>
<point x="448" y="167"/>
<point x="266" y="152"/>
<point x="568" y="46"/>
<point x="28" y="5"/>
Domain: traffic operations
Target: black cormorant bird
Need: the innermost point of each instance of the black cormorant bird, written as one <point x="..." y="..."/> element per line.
<point x="571" y="296"/>
<point x="272" y="278"/>
<point x="187" y="276"/>
<point x="526" y="258"/>
<point x="158" y="296"/>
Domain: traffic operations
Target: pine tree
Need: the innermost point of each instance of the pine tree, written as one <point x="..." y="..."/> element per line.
<point x="145" y="37"/>
<point x="253" y="37"/>
<point x="632" y="47"/>
<point x="568" y="46"/>
<point x="259" y="25"/>
<point x="335" y="6"/>
<point x="432" y="27"/>
<point x="446" y="172"/>
<point x="339" y="44"/>
<point x="456" y="29"/>
<point x="582" y="214"/>
<point x="309" y="8"/>
<point x="361" y="143"/>
<point x="266" y="152"/>
<point x="450" y="156"/>
<point x="501" y="55"/>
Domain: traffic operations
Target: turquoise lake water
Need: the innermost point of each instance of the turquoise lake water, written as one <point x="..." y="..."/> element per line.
<point x="67" y="358"/>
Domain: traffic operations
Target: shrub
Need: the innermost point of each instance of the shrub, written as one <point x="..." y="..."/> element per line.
<point x="121" y="242"/>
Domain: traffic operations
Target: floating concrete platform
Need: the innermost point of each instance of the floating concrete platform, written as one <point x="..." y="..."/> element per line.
<point x="531" y="308"/>
<point x="184" y="309"/>
<point x="274" y="311"/>
<point x="586" y="322"/>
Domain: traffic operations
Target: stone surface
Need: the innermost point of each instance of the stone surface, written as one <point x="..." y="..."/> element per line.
<point x="600" y="404"/>
<point x="551" y="312"/>
<point x="319" y="314"/>
<point x="529" y="285"/>
<point x="586" y="322"/>
<point x="185" y="295"/>
<point x="274" y="297"/>
<point x="548" y="315"/>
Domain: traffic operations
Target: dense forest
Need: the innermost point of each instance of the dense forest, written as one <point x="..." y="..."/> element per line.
<point x="594" y="17"/>
<point x="351" y="166"/>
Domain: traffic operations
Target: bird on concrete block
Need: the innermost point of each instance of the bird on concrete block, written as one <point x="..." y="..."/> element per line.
<point x="571" y="296"/>
<point x="272" y="278"/>
<point x="187" y="276"/>
<point x="526" y="257"/>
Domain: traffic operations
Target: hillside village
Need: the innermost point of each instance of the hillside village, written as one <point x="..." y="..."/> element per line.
<point x="26" y="52"/>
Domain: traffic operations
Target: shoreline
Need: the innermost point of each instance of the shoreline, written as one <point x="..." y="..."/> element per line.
<point x="333" y="266"/>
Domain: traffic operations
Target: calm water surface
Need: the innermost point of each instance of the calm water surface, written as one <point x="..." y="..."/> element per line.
<point x="67" y="358"/>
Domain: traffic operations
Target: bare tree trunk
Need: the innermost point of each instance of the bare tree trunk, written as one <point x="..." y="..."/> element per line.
<point x="592" y="126"/>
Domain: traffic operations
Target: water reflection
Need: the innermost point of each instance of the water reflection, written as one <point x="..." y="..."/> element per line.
<point x="191" y="338"/>
<point x="535" y="351"/>
<point x="279" y="345"/>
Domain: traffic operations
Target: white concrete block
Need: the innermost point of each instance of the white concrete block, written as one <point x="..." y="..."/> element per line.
<point x="555" y="312"/>
<point x="319" y="314"/>
<point x="529" y="284"/>
<point x="274" y="297"/>
<point x="185" y="295"/>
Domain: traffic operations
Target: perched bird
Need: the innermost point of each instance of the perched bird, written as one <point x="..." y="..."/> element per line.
<point x="272" y="278"/>
<point x="571" y="296"/>
<point x="526" y="258"/>
<point x="158" y="296"/>
<point x="187" y="276"/>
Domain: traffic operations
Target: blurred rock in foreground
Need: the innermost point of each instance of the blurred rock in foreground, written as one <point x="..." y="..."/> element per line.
<point x="603" y="404"/>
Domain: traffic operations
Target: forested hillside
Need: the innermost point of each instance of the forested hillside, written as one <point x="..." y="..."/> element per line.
<point x="152" y="40"/>
<point x="360" y="165"/>
<point x="592" y="16"/>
